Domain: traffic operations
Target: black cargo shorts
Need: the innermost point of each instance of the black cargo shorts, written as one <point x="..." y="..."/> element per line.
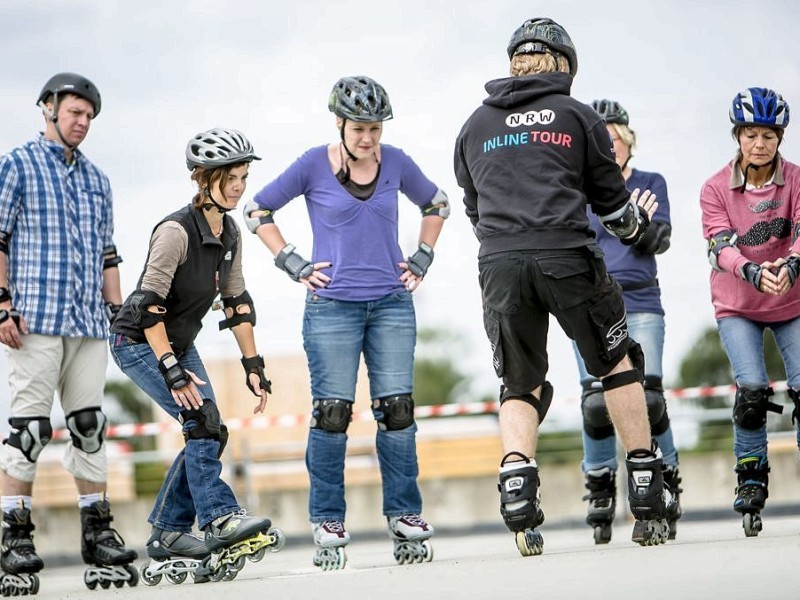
<point x="522" y="288"/>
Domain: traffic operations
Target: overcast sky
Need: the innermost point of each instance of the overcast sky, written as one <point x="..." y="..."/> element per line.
<point x="167" y="70"/>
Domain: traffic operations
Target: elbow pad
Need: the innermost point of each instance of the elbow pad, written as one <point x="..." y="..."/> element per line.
<point x="253" y="223"/>
<point x="236" y="303"/>
<point x="623" y="223"/>
<point x="717" y="243"/>
<point x="439" y="206"/>
<point x="140" y="301"/>
<point x="110" y="257"/>
<point x="4" y="239"/>
<point x="656" y="240"/>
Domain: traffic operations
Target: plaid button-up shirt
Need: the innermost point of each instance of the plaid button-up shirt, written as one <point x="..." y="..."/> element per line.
<point x="59" y="218"/>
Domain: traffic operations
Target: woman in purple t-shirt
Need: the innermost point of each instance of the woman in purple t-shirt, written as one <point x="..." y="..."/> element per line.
<point x="751" y="219"/>
<point x="358" y="302"/>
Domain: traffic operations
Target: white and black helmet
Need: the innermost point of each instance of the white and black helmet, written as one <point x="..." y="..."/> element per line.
<point x="218" y="147"/>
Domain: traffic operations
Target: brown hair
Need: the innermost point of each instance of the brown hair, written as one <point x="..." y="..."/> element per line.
<point x="540" y="62"/>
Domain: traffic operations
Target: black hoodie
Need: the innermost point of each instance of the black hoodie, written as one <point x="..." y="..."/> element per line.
<point x="529" y="159"/>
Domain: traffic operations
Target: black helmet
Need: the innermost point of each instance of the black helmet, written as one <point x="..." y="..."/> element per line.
<point x="360" y="99"/>
<point x="218" y="147"/>
<point x="71" y="83"/>
<point x="611" y="111"/>
<point x="543" y="35"/>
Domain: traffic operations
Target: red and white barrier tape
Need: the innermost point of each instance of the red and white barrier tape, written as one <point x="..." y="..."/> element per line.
<point x="133" y="430"/>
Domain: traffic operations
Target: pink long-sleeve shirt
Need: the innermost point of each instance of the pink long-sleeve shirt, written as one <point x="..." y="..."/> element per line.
<point x="766" y="221"/>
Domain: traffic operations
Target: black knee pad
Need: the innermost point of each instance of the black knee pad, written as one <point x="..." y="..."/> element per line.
<point x="542" y="405"/>
<point x="751" y="406"/>
<point x="331" y="415"/>
<point x="656" y="405"/>
<point x="596" y="422"/>
<point x="394" y="412"/>
<point x="29" y="435"/>
<point x="208" y="424"/>
<point x="795" y="396"/>
<point x="87" y="428"/>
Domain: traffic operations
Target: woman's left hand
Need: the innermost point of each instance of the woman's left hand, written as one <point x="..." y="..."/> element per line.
<point x="255" y="382"/>
<point x="408" y="279"/>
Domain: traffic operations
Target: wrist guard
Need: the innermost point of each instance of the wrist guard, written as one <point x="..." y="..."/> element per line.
<point x="419" y="262"/>
<point x="5" y="295"/>
<point x="751" y="272"/>
<point x="255" y="364"/>
<point x="643" y="223"/>
<point x="12" y="314"/>
<point x="295" y="265"/>
<point x="174" y="374"/>
<point x="793" y="267"/>
<point x="112" y="310"/>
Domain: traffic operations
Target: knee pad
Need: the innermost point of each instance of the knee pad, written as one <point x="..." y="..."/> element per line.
<point x="542" y="405"/>
<point x="519" y="494"/>
<point x="394" y="413"/>
<point x="751" y="406"/>
<point x="656" y="405"/>
<point x="331" y="415"/>
<point x="208" y="424"/>
<point x="795" y="396"/>
<point x="87" y="428"/>
<point x="596" y="422"/>
<point x="29" y="435"/>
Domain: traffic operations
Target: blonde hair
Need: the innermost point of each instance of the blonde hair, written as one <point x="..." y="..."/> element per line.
<point x="540" y="62"/>
<point x="626" y="134"/>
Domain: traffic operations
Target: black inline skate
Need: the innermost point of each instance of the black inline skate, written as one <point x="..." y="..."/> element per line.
<point x="752" y="473"/>
<point x="602" y="498"/>
<point x="173" y="555"/>
<point x="103" y="548"/>
<point x="232" y="540"/>
<point x="672" y="480"/>
<point x="650" y="501"/>
<point x="18" y="559"/>
<point x="411" y="535"/>
<point x="520" y="502"/>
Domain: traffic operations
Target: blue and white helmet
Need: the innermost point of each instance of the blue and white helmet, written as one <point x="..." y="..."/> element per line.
<point x="760" y="107"/>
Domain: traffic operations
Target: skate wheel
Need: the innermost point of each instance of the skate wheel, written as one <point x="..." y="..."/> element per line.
<point x="34" y="589"/>
<point x="238" y="564"/>
<point x="133" y="579"/>
<point x="529" y="542"/>
<point x="105" y="584"/>
<point x="148" y="579"/>
<point x="427" y="549"/>
<point x="177" y="578"/>
<point x="257" y="555"/>
<point x="673" y="530"/>
<point x="602" y="534"/>
<point x="230" y="573"/>
<point x="752" y="524"/>
<point x="280" y="540"/>
<point x="90" y="583"/>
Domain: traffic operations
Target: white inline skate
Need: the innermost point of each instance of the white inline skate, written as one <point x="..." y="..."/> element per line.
<point x="411" y="534"/>
<point x="330" y="538"/>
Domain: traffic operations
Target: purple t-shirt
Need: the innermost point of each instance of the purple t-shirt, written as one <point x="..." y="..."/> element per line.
<point x="625" y="263"/>
<point x="359" y="237"/>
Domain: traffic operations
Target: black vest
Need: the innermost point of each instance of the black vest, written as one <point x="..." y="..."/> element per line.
<point x="195" y="283"/>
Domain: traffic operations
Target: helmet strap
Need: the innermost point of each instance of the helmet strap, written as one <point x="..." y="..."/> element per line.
<point x="346" y="149"/>
<point x="213" y="203"/>
<point x="53" y="116"/>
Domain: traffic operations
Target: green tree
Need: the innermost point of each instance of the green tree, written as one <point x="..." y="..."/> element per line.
<point x="436" y="378"/>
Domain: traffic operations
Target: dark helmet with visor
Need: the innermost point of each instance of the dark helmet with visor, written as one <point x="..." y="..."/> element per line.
<point x="70" y="83"/>
<point x="543" y="35"/>
<point x="759" y="107"/>
<point x="611" y="110"/>
<point x="360" y="98"/>
<point x="218" y="147"/>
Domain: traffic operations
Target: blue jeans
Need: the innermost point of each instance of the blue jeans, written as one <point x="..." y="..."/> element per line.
<point x="648" y="330"/>
<point x="743" y="341"/>
<point x="192" y="487"/>
<point x="335" y="335"/>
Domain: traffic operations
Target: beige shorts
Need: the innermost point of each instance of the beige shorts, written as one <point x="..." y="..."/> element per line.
<point x="46" y="365"/>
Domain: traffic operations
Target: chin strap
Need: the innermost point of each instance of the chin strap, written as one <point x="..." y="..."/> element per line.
<point x="213" y="203"/>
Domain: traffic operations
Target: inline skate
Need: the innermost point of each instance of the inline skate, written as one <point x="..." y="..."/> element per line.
<point x="752" y="491"/>
<point x="18" y="560"/>
<point x="173" y="555"/>
<point x="103" y="548"/>
<point x="411" y="534"/>
<point x="650" y="501"/>
<point x="233" y="539"/>
<point x="520" y="502"/>
<point x="672" y="480"/>
<point x="602" y="498"/>
<point x="330" y="538"/>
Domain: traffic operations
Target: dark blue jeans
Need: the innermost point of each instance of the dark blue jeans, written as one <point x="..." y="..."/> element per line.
<point x="335" y="334"/>
<point x="193" y="487"/>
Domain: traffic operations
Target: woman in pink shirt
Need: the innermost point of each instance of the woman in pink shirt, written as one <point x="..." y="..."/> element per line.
<point x="751" y="219"/>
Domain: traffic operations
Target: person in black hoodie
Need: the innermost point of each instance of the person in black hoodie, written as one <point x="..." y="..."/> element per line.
<point x="195" y="255"/>
<point x="529" y="159"/>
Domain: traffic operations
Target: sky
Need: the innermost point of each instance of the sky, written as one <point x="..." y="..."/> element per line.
<point x="168" y="70"/>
